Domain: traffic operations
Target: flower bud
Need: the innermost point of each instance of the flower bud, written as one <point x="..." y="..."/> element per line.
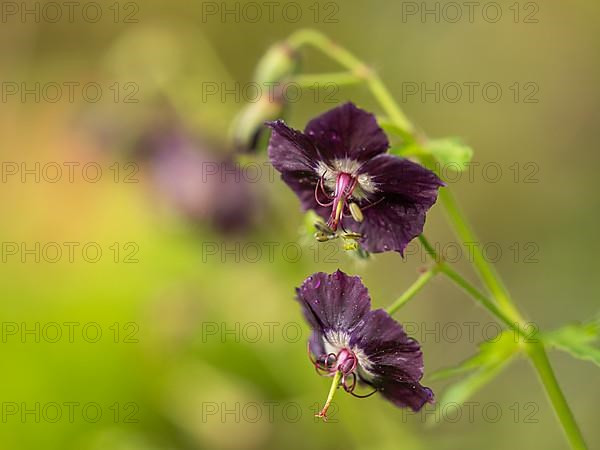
<point x="249" y="124"/>
<point x="276" y="66"/>
<point x="278" y="63"/>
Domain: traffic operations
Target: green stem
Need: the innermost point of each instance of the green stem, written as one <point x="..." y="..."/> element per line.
<point x="324" y="79"/>
<point x="468" y="287"/>
<point x="482" y="299"/>
<point x="414" y="288"/>
<point x="485" y="270"/>
<point x="539" y="358"/>
<point x="356" y="66"/>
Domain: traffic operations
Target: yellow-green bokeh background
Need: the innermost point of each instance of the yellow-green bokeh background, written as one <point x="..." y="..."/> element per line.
<point x="170" y="293"/>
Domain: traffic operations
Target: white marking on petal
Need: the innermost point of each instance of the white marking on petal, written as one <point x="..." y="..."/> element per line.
<point x="364" y="364"/>
<point x="336" y="340"/>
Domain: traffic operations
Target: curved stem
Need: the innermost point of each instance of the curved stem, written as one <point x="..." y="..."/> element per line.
<point x="469" y="288"/>
<point x="482" y="299"/>
<point x="485" y="270"/>
<point x="323" y="79"/>
<point x="414" y="288"/>
<point x="539" y="358"/>
<point x="356" y="66"/>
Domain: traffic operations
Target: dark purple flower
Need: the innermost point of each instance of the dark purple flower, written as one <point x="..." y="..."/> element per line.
<point x="351" y="342"/>
<point x="339" y="168"/>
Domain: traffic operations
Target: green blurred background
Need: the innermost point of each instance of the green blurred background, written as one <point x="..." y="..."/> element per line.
<point x="160" y="369"/>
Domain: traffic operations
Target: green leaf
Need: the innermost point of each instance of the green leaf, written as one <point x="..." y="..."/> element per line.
<point x="450" y="152"/>
<point x="493" y="356"/>
<point x="464" y="389"/>
<point x="577" y="340"/>
<point x="437" y="154"/>
<point x="406" y="151"/>
<point x="490" y="353"/>
<point x="391" y="128"/>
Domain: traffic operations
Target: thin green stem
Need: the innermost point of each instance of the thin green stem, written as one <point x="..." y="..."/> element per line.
<point x="481" y="298"/>
<point x="385" y="99"/>
<point x="356" y="66"/>
<point x="429" y="248"/>
<point x="324" y="79"/>
<point x="485" y="270"/>
<point x="468" y="287"/>
<point x="414" y="288"/>
<point x="539" y="358"/>
<point x="321" y="42"/>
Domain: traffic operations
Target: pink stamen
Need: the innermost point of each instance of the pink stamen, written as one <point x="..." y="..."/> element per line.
<point x="317" y="196"/>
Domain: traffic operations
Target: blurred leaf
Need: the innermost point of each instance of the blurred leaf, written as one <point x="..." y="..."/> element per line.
<point x="450" y="152"/>
<point x="390" y="128"/>
<point x="488" y="363"/>
<point x="408" y="150"/>
<point x="577" y="339"/>
<point x="461" y="391"/>
<point x="490" y="353"/>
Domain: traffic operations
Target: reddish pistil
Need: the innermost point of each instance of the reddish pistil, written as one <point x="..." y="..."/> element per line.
<point x="344" y="186"/>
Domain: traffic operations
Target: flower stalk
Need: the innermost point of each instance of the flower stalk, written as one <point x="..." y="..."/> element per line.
<point x="414" y="289"/>
<point x="334" y="385"/>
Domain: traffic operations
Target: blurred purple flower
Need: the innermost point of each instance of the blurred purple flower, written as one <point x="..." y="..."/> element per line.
<point x="358" y="344"/>
<point x="200" y="184"/>
<point x="339" y="168"/>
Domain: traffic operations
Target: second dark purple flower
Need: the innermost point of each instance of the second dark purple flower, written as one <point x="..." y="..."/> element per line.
<point x="352" y="343"/>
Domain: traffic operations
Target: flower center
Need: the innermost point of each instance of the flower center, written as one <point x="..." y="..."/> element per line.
<point x="344" y="186"/>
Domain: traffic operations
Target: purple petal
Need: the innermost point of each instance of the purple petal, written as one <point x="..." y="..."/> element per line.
<point x="333" y="302"/>
<point x="295" y="157"/>
<point x="413" y="395"/>
<point x="396" y="360"/>
<point x="406" y="191"/>
<point x="403" y="177"/>
<point x="290" y="150"/>
<point x="388" y="225"/>
<point x="392" y="353"/>
<point x="347" y="132"/>
<point x="316" y="344"/>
